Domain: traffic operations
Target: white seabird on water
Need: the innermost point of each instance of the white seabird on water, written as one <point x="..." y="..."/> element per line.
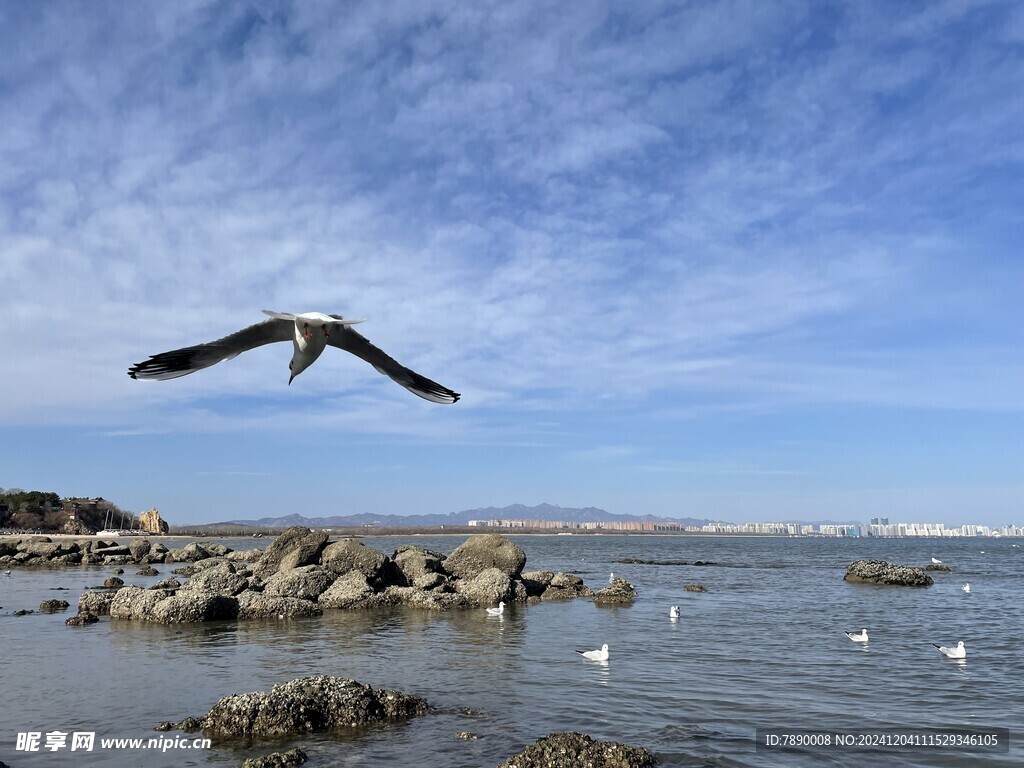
<point x="7" y="572"/>
<point x="960" y="652"/>
<point x="936" y="561"/>
<point x="310" y="333"/>
<point x="858" y="637"/>
<point x="496" y="611"/>
<point x="966" y="588"/>
<point x="601" y="655"/>
<point x="611" y="578"/>
<point x="673" y="612"/>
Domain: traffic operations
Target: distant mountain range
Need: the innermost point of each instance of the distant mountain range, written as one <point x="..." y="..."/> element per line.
<point x="513" y="512"/>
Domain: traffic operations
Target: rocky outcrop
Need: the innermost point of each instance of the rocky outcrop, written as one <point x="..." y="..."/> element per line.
<point x="307" y="705"/>
<point x="222" y="587"/>
<point x="882" y="572"/>
<point x="52" y="606"/>
<point x="619" y="592"/>
<point x="289" y="759"/>
<point x="81" y="619"/>
<point x="40" y="551"/>
<point x="695" y="588"/>
<point x="938" y="567"/>
<point x="153" y="523"/>
<point x="572" y="750"/>
<point x="482" y="552"/>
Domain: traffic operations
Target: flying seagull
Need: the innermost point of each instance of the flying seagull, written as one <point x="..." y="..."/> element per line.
<point x="496" y="611"/>
<point x="310" y="333"/>
<point x="601" y="655"/>
<point x="858" y="637"/>
<point x="960" y="652"/>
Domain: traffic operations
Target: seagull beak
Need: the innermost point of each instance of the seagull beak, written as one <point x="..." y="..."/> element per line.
<point x="291" y="378"/>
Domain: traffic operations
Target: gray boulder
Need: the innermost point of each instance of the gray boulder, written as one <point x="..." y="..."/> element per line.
<point x="289" y="759"/>
<point x="565" y="586"/>
<point x="222" y="579"/>
<point x="170" y="583"/>
<point x="347" y="591"/>
<point x="81" y="619"/>
<point x="200" y="565"/>
<point x="147" y="570"/>
<point x="433" y="600"/>
<point x="256" y="605"/>
<point x="138" y="549"/>
<point x="695" y="588"/>
<point x="305" y="583"/>
<point x="536" y="582"/>
<point x="307" y="705"/>
<point x="489" y="587"/>
<point x="97" y="603"/>
<point x="294" y="548"/>
<point x="244" y="555"/>
<point x="619" y="592"/>
<point x="113" y="582"/>
<point x="194" y="606"/>
<point x="415" y="562"/>
<point x="134" y="603"/>
<point x="882" y="572"/>
<point x="41" y="549"/>
<point x="350" y="555"/>
<point x="571" y="750"/>
<point x="479" y="553"/>
<point x="113" y="550"/>
<point x="52" y="606"/>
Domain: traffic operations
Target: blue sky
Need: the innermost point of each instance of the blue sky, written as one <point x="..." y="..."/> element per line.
<point x="737" y="260"/>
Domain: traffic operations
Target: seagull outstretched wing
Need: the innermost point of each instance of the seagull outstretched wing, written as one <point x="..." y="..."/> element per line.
<point x="181" y="362"/>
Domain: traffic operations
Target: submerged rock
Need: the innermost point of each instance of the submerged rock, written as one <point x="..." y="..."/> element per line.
<point x="575" y="750"/>
<point x="695" y="588"/>
<point x="147" y="570"/>
<point x="81" y="619"/>
<point x="936" y="567"/>
<point x="113" y="582"/>
<point x="565" y="586"/>
<point x="882" y="572"/>
<point x="307" y="705"/>
<point x="287" y="759"/>
<point x="51" y="606"/>
<point x="619" y="592"/>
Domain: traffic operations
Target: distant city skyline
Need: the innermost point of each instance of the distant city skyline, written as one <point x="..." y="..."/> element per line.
<point x="730" y="262"/>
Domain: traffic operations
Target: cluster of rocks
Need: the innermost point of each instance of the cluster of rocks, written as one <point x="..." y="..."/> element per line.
<point x="322" y="703"/>
<point x="570" y="750"/>
<point x="301" y="574"/>
<point x="639" y="561"/>
<point x="938" y="567"/>
<point x="882" y="572"/>
<point x="36" y="551"/>
<point x="306" y="705"/>
<point x="619" y="592"/>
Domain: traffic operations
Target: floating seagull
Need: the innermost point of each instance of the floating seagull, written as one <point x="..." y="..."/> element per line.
<point x="7" y="572"/>
<point x="960" y="652"/>
<point x="310" y="333"/>
<point x="496" y="611"/>
<point x="936" y="561"/>
<point x="611" y="578"/>
<point x="966" y="588"/>
<point x="601" y="655"/>
<point x="858" y="637"/>
<point x="673" y="612"/>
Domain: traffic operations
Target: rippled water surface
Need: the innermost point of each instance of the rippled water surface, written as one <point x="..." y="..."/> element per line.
<point x="764" y="647"/>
